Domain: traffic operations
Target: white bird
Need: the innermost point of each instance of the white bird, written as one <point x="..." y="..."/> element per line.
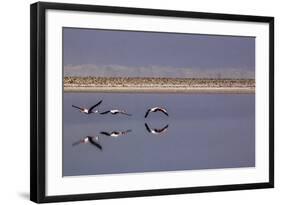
<point x="89" y="139"/>
<point x="156" y="131"/>
<point x="156" y="109"/>
<point x="115" y="133"/>
<point x="114" y="112"/>
<point x="90" y="110"/>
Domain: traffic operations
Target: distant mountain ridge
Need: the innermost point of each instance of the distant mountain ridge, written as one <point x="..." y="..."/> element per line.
<point x="157" y="71"/>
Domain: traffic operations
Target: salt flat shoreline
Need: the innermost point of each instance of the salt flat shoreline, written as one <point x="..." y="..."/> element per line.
<point x="157" y="85"/>
<point x="134" y="89"/>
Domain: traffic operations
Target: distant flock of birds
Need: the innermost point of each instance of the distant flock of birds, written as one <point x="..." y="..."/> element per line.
<point x="94" y="140"/>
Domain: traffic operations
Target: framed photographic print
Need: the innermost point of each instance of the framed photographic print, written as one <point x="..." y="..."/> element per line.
<point x="129" y="102"/>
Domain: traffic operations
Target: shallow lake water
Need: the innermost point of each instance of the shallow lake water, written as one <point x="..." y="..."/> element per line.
<point x="205" y="131"/>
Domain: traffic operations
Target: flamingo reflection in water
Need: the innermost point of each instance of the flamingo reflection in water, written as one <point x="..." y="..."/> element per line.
<point x="156" y="131"/>
<point x="93" y="140"/>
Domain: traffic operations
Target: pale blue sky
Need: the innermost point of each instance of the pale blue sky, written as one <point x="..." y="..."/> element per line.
<point x="127" y="53"/>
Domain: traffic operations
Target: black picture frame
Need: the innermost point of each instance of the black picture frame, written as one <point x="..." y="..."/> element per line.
<point x="38" y="101"/>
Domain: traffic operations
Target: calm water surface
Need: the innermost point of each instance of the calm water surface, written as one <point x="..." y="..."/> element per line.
<point x="205" y="131"/>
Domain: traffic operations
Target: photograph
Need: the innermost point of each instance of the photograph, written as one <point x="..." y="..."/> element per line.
<point x="145" y="101"/>
<point x="134" y="102"/>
